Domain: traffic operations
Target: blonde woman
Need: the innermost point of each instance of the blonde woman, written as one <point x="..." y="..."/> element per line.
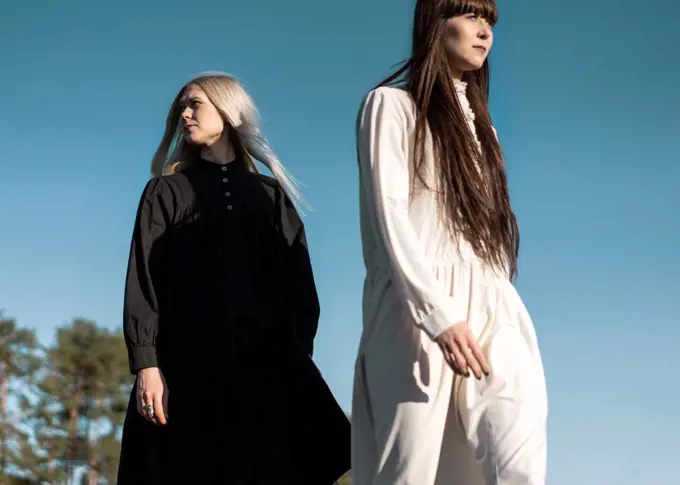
<point x="221" y="311"/>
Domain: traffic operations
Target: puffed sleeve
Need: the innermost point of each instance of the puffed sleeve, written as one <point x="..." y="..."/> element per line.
<point x="384" y="172"/>
<point x="301" y="287"/>
<point x="140" y="307"/>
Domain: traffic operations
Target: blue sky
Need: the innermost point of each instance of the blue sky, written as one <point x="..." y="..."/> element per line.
<point x="585" y="103"/>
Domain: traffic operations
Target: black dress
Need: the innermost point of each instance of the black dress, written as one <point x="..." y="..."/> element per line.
<point x="220" y="295"/>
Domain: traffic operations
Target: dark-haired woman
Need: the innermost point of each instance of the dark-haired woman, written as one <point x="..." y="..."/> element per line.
<point x="449" y="383"/>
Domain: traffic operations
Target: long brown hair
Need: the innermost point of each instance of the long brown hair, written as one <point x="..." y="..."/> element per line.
<point x="474" y="201"/>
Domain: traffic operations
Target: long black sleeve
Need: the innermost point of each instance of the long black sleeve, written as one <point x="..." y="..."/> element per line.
<point x="301" y="285"/>
<point x="305" y="296"/>
<point x="140" y="309"/>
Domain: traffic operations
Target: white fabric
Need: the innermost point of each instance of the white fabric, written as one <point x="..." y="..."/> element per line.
<point x="414" y="422"/>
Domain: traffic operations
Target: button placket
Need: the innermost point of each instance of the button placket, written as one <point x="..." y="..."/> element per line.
<point x="227" y="193"/>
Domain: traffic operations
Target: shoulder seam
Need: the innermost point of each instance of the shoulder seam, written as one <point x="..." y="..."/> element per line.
<point x="400" y="99"/>
<point x="155" y="184"/>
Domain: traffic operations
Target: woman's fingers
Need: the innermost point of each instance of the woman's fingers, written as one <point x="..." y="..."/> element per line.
<point x="450" y="360"/>
<point x="448" y="357"/>
<point x="460" y="360"/>
<point x="141" y="404"/>
<point x="453" y="357"/>
<point x="472" y="360"/>
<point x="462" y="352"/>
<point x="166" y="396"/>
<point x="148" y="408"/>
<point x="159" y="410"/>
<point x="152" y="395"/>
<point x="479" y="356"/>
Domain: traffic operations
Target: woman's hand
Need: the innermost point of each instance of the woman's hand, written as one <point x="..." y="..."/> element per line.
<point x="152" y="395"/>
<point x="462" y="352"/>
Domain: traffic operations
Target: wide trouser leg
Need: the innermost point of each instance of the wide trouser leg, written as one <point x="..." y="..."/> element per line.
<point x="364" y="450"/>
<point x="505" y="415"/>
<point x="415" y="424"/>
<point x="401" y="402"/>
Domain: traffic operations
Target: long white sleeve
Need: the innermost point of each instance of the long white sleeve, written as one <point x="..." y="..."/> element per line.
<point x="384" y="170"/>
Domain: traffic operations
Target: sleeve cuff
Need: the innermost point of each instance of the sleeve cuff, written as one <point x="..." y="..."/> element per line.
<point x="141" y="358"/>
<point x="439" y="319"/>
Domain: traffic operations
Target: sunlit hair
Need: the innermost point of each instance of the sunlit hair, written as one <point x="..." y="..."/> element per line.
<point x="240" y="117"/>
<point x="472" y="187"/>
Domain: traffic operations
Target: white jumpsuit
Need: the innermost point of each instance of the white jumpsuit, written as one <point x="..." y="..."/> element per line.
<point x="415" y="422"/>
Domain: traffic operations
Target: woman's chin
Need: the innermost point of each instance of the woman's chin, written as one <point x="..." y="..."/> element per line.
<point x="473" y="63"/>
<point x="191" y="139"/>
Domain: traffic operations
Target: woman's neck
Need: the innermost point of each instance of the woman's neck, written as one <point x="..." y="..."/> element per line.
<point x="222" y="151"/>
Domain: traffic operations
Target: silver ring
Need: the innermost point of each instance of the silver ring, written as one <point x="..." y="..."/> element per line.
<point x="148" y="408"/>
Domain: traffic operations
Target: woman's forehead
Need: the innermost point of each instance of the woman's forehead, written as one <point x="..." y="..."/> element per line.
<point x="192" y="91"/>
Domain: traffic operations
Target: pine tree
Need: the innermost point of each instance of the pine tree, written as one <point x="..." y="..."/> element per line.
<point x="18" y="363"/>
<point x="82" y="400"/>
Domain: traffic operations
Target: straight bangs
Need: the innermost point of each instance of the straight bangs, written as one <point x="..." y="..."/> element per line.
<point x="484" y="8"/>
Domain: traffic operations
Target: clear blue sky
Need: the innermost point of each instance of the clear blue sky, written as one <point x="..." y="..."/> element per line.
<point x="586" y="104"/>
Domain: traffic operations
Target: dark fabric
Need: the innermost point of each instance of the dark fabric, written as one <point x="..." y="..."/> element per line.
<point x="220" y="295"/>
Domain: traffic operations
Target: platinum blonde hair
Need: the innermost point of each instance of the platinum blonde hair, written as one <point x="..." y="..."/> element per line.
<point x="240" y="115"/>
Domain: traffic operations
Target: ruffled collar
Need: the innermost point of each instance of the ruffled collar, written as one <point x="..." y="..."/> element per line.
<point x="461" y="92"/>
<point x="461" y="87"/>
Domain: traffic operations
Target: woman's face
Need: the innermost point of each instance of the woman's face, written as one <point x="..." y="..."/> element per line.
<point x="202" y="123"/>
<point x="467" y="42"/>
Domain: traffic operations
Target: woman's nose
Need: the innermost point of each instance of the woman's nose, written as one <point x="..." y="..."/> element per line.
<point x="484" y="29"/>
